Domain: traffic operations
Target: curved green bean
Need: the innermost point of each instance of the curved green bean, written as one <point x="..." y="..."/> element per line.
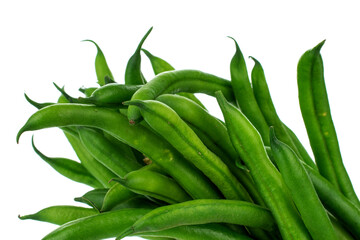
<point x="93" y="198"/>
<point x="115" y="195"/>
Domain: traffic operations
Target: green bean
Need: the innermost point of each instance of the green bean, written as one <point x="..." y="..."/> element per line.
<point x="153" y="184"/>
<point x="69" y="168"/>
<point x="315" y="110"/>
<point x="133" y="75"/>
<point x="100" y="226"/>
<point x="159" y="65"/>
<point x="340" y="231"/>
<point x="136" y="202"/>
<point x="263" y="98"/>
<point x="306" y="200"/>
<point x="192" y="97"/>
<point x="210" y="231"/>
<point x="168" y="124"/>
<point x="192" y="81"/>
<point x="244" y="94"/>
<point x="110" y="95"/>
<point x="138" y="137"/>
<point x="87" y="91"/>
<point x="60" y="215"/>
<point x="115" y="195"/>
<point x="106" y="153"/>
<point x="335" y="202"/>
<point x="191" y="112"/>
<point x="101" y="67"/>
<point x="203" y="211"/>
<point x="248" y="143"/>
<point x="94" y="198"/>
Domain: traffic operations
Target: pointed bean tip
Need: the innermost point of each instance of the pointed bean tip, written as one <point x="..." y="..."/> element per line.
<point x="318" y="47"/>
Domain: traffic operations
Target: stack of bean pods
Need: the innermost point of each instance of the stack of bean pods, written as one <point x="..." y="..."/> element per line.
<point x="162" y="167"/>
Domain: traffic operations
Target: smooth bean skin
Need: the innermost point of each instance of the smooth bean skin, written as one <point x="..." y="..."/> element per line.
<point x="101" y="67"/>
<point x="169" y="125"/>
<point x="133" y="75"/>
<point x="315" y="109"/>
<point x="153" y="184"/>
<point x="245" y="96"/>
<point x="192" y="81"/>
<point x="101" y="226"/>
<point x="115" y="195"/>
<point x="138" y="137"/>
<point x="93" y="198"/>
<point x="106" y="152"/>
<point x="138" y="201"/>
<point x="203" y="211"/>
<point x="69" y="168"/>
<point x="159" y="65"/>
<point x="210" y="231"/>
<point x="60" y="215"/>
<point x="110" y="95"/>
<point x="302" y="190"/>
<point x="248" y="143"/>
<point x="191" y="112"/>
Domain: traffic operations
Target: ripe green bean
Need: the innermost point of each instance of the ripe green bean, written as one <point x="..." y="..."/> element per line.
<point x="315" y="110"/>
<point x="101" y="66"/>
<point x="159" y="65"/>
<point x="69" y="168"/>
<point x="101" y="226"/>
<point x="138" y="137"/>
<point x="244" y="94"/>
<point x="153" y="184"/>
<point x="115" y="195"/>
<point x="106" y="152"/>
<point x="133" y="74"/>
<point x="192" y="81"/>
<point x="306" y="200"/>
<point x="203" y="211"/>
<point x="93" y="198"/>
<point x="248" y="143"/>
<point x="60" y="214"/>
<point x="169" y="125"/>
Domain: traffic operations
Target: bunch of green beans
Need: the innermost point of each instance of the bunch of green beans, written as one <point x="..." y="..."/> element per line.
<point x="160" y="166"/>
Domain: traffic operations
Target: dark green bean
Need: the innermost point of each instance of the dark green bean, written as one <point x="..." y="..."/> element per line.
<point x="138" y="137"/>
<point x="154" y="184"/>
<point x="60" y="214"/>
<point x="203" y="211"/>
<point x="133" y="74"/>
<point x="101" y="226"/>
<point x="244" y="94"/>
<point x="69" y="168"/>
<point x="136" y="202"/>
<point x="306" y="200"/>
<point x="94" y="198"/>
<point x="192" y="81"/>
<point x="101" y="66"/>
<point x="106" y="153"/>
<point x="248" y="143"/>
<point x="169" y="125"/>
<point x="315" y="110"/>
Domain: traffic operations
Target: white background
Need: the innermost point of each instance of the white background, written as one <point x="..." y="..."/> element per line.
<point x="40" y="44"/>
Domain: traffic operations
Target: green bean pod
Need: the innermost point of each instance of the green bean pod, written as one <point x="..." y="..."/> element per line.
<point x="101" y="226"/>
<point x="153" y="184"/>
<point x="60" y="215"/>
<point x="203" y="211"/>
<point x="192" y="81"/>
<point x="110" y="95"/>
<point x="244" y="95"/>
<point x="106" y="152"/>
<point x="266" y="105"/>
<point x="69" y="168"/>
<point x="306" y="200"/>
<point x="336" y="203"/>
<point x="210" y="231"/>
<point x="169" y="125"/>
<point x="87" y="91"/>
<point x="159" y="65"/>
<point x="115" y="195"/>
<point x="101" y="66"/>
<point x="93" y="198"/>
<point x="133" y="75"/>
<point x="248" y="143"/>
<point x="138" y="201"/>
<point x="315" y="110"/>
<point x="138" y="137"/>
<point x="191" y="112"/>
